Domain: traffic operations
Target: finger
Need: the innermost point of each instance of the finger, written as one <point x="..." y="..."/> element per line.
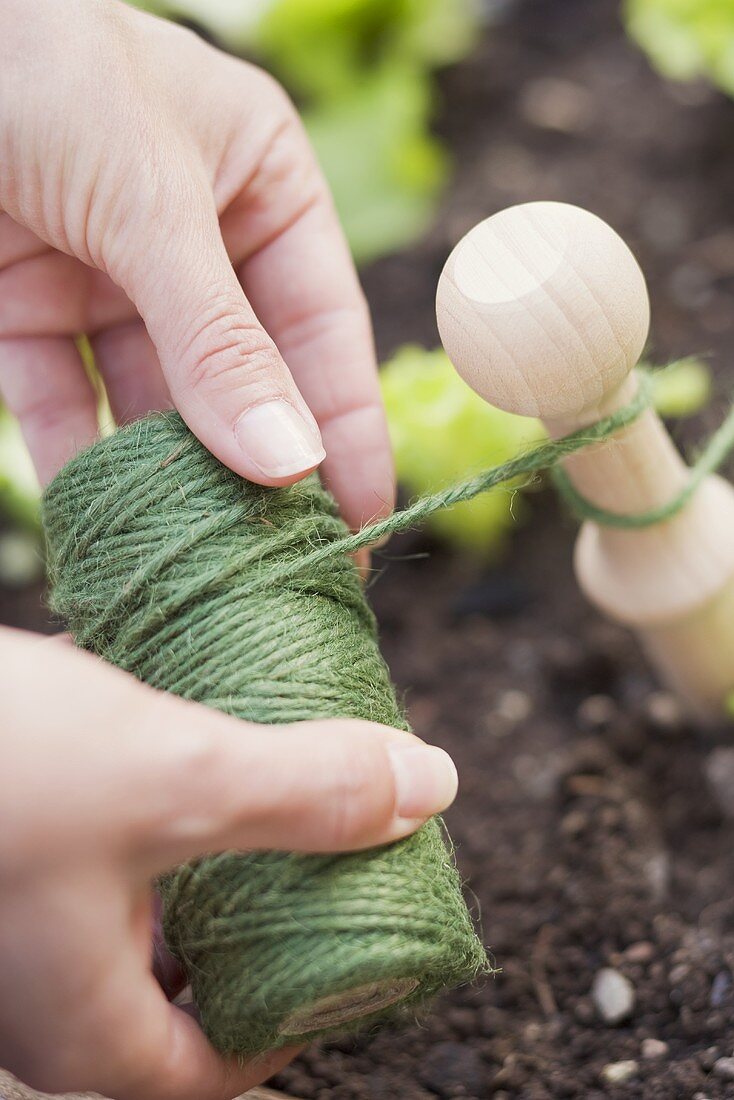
<point x="224" y="373"/>
<point x="43" y="382"/>
<point x="128" y="362"/>
<point x="204" y="781"/>
<point x="137" y="1046"/>
<point x="212" y="783"/>
<point x="183" y="1065"/>
<point x="17" y="242"/>
<point x="302" y="283"/>
<point x="167" y="970"/>
<point x="48" y="293"/>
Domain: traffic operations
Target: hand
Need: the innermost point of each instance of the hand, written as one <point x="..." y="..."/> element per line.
<point x="105" y="783"/>
<point x="162" y="198"/>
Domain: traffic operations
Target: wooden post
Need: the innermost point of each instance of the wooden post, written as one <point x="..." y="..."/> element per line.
<point x="544" y="312"/>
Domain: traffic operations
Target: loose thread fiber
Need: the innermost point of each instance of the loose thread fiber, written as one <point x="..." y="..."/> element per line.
<point x="243" y="598"/>
<point x="161" y="561"/>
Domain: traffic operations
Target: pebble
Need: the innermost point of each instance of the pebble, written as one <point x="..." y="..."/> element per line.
<point x="513" y="706"/>
<point x="719" y="769"/>
<point x="616" y="1073"/>
<point x="654" y="1048"/>
<point x="720" y="988"/>
<point x="613" y="996"/>
<point x="664" y="712"/>
<point x="554" y="104"/>
<point x="597" y="712"/>
<point x="641" y="952"/>
<point x="724" y="1068"/>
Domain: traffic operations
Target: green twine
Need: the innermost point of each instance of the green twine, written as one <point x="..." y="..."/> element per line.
<point x="244" y="598"/>
<point x="710" y="459"/>
<point x="163" y="562"/>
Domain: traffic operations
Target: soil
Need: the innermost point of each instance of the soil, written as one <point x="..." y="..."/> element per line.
<point x="595" y="826"/>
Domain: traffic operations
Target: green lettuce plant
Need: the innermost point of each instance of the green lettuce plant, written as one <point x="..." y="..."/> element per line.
<point x="686" y="38"/>
<point x="19" y="488"/>
<point x="362" y="72"/>
<point x="324" y="48"/>
<point x="384" y="167"/>
<point x="442" y="432"/>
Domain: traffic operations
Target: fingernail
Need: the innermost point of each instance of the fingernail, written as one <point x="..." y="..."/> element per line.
<point x="425" y="779"/>
<point x="278" y="440"/>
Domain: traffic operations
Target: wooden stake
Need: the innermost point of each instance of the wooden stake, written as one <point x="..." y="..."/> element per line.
<point x="544" y="312"/>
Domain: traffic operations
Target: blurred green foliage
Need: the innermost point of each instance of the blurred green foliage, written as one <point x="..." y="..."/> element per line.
<point x="324" y="48"/>
<point x="686" y="38"/>
<point x="384" y="168"/>
<point x="682" y="388"/>
<point x="19" y="489"/>
<point x="442" y="432"/>
<point x="362" y="72"/>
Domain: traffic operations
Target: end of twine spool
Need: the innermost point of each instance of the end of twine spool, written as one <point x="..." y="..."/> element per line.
<point x="339" y="1008"/>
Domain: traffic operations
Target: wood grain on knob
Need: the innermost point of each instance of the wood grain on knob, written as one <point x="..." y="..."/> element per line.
<point x="543" y="309"/>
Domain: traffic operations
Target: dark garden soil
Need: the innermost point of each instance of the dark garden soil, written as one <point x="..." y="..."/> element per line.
<point x="594" y="827"/>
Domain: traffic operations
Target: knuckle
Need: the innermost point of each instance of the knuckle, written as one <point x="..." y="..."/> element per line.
<point x="269" y="87"/>
<point x="227" y="352"/>
<point x="48" y="414"/>
<point x="288" y="166"/>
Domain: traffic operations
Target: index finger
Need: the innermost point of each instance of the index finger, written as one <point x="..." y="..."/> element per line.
<point x="298" y="274"/>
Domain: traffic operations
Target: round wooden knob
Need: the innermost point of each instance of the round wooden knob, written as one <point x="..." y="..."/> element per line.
<point x="543" y="310"/>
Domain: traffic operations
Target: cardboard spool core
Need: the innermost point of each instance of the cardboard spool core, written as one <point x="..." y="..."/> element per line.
<point x="342" y="1007"/>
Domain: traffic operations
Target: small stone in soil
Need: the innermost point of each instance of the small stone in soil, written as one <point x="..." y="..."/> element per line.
<point x="724" y="1068"/>
<point x="513" y="706"/>
<point x="664" y="712"/>
<point x="596" y="712"/>
<point x="616" y="1073"/>
<point x="654" y="1048"/>
<point x="554" y="104"/>
<point x="720" y="988"/>
<point x="613" y="995"/>
<point x="641" y="952"/>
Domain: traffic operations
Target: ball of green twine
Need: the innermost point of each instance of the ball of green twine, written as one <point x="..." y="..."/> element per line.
<point x="170" y="566"/>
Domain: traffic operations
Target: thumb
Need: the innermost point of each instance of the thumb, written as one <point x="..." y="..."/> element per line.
<point x="214" y="783"/>
<point x="225" y="374"/>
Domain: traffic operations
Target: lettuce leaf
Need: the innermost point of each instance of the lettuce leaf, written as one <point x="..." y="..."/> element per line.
<point x="686" y="38"/>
